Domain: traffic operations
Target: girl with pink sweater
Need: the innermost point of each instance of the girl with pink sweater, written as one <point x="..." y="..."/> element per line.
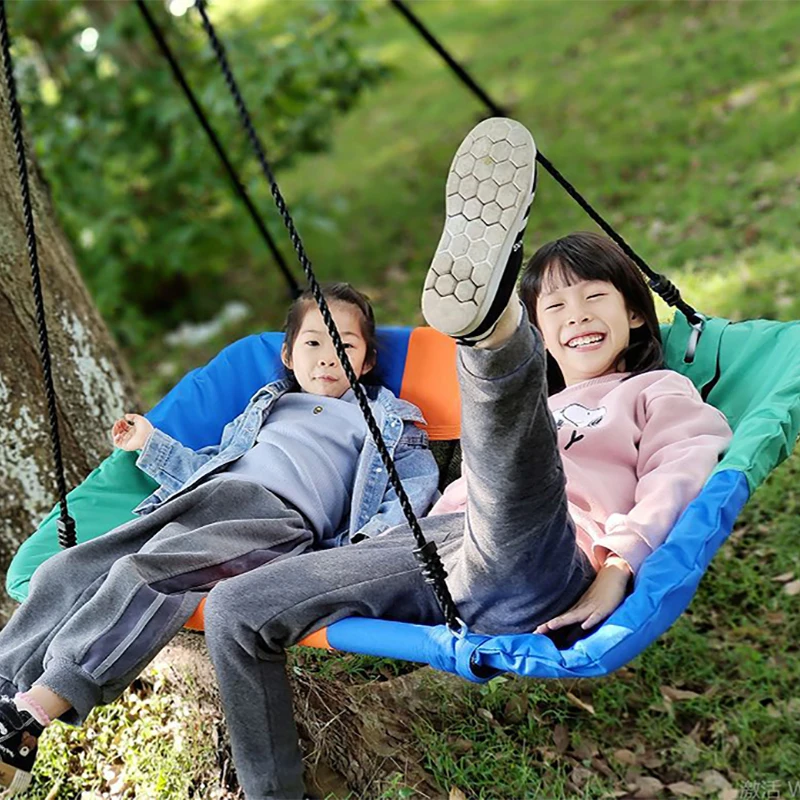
<point x="636" y="440"/>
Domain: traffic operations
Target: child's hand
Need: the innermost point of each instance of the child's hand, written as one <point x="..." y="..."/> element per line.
<point x="131" y="432"/>
<point x="599" y="601"/>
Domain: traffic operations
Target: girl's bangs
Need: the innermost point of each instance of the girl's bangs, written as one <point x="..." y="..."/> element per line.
<point x="560" y="272"/>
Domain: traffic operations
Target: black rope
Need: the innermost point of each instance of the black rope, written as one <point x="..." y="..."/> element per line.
<point x="425" y="552"/>
<point x="462" y="74"/>
<point x="658" y="283"/>
<point x="158" y="35"/>
<point x="66" y="525"/>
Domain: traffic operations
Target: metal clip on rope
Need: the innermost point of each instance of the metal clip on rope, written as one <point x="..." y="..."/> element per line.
<point x="694" y="338"/>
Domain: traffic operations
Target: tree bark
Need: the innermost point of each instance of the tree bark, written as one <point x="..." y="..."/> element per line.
<point x="92" y="382"/>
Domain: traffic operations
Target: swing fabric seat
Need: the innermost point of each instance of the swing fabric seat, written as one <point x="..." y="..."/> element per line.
<point x="749" y="370"/>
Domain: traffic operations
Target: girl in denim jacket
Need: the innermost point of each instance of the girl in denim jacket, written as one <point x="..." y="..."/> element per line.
<point x="295" y="471"/>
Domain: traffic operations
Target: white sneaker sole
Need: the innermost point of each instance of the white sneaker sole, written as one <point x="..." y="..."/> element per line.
<point x="489" y="191"/>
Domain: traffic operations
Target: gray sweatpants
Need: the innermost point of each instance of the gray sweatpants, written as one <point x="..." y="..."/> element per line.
<point x="98" y="613"/>
<point x="512" y="562"/>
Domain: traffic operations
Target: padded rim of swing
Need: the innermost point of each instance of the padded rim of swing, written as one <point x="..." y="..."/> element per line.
<point x="631" y="628"/>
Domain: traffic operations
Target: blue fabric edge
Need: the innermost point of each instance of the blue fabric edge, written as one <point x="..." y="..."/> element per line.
<point x="664" y="587"/>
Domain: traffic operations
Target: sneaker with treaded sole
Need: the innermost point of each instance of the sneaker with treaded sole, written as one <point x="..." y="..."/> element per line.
<point x="19" y="734"/>
<point x="490" y="189"/>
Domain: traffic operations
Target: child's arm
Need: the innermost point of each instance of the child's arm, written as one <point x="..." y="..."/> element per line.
<point x="680" y="445"/>
<point x="599" y="601"/>
<point x="131" y="431"/>
<point x="419" y="475"/>
<point x="681" y="442"/>
<point x="163" y="458"/>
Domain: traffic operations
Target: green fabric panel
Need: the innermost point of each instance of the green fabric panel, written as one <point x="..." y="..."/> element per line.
<point x="102" y="502"/>
<point x="751" y="372"/>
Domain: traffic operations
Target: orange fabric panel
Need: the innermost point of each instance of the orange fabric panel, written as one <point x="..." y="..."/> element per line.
<point x="430" y="382"/>
<point x="317" y="639"/>
<point x="195" y="622"/>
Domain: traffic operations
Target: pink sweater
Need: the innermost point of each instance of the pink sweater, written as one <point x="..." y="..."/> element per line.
<point x="635" y="454"/>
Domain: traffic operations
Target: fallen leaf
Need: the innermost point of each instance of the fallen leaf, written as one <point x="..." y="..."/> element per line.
<point x="576" y="701"/>
<point x="741" y="98"/>
<point x="647" y="788"/>
<point x="603" y="768"/>
<point x="516" y="709"/>
<point x="547" y="754"/>
<point x="585" y="748"/>
<point x="456" y="794"/>
<point x="785" y="578"/>
<point x="652" y="761"/>
<point x="792" y="588"/>
<point x="684" y="789"/>
<point x="626" y="757"/>
<point x="671" y="693"/>
<point x="486" y="714"/>
<point x="561" y="738"/>
<point x="53" y="793"/>
<point x="752" y="234"/>
<point x="713" y="780"/>
<point x="729" y="794"/>
<point x="690" y="750"/>
<point x="462" y="745"/>
<point x="580" y="775"/>
<point x="764" y="203"/>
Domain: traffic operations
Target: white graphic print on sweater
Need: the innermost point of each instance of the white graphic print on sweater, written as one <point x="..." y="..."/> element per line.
<point x="579" y="416"/>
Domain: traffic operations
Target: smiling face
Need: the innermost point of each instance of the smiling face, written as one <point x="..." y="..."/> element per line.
<point x="313" y="358"/>
<point x="585" y="325"/>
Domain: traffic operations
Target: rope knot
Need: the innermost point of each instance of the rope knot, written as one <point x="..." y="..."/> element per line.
<point x="432" y="568"/>
<point x="66" y="531"/>
<point x="666" y="289"/>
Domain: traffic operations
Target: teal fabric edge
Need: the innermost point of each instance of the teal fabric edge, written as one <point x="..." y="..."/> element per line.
<point x="118" y="478"/>
<point x="764" y="432"/>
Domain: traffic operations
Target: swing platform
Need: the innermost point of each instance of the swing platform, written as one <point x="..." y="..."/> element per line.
<point x="749" y="370"/>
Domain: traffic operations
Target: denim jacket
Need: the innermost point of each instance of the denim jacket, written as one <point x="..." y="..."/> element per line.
<point x="375" y="506"/>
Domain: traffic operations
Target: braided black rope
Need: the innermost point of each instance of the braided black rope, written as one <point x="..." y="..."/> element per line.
<point x="158" y="35"/>
<point x="431" y="565"/>
<point x="66" y="525"/>
<point x="658" y="283"/>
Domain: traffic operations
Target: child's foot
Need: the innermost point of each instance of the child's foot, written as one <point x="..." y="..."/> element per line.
<point x="490" y="189"/>
<point x="19" y="733"/>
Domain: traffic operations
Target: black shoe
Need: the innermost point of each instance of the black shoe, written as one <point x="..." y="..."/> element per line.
<point x="19" y="733"/>
<point x="490" y="189"/>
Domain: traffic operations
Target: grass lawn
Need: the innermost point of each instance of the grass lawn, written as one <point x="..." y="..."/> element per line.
<point x="680" y="123"/>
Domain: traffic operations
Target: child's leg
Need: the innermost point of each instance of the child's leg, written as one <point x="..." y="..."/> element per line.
<point x="519" y="564"/>
<point x="220" y="529"/>
<point x="60" y="586"/>
<point x="250" y="619"/>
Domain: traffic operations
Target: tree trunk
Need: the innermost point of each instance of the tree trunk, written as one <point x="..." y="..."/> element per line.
<point x="358" y="738"/>
<point x="92" y="383"/>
